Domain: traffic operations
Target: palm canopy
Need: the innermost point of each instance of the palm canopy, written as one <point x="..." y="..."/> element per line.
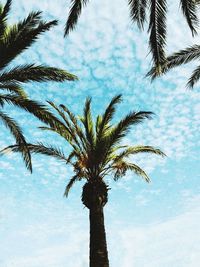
<point x="97" y="148"/>
<point x="140" y="11"/>
<point x="15" y="39"/>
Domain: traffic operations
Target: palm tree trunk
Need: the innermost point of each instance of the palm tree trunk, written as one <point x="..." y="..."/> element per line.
<point x="98" y="246"/>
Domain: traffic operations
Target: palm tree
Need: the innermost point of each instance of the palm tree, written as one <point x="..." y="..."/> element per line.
<point x="14" y="39"/>
<point x="140" y="11"/>
<point x="97" y="151"/>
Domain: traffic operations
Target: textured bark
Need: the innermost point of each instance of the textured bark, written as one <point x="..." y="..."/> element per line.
<point x="98" y="246"/>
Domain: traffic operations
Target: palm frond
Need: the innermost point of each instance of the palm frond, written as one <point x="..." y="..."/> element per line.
<point x="122" y="128"/>
<point x="61" y="131"/>
<point x="74" y="179"/>
<point x="3" y="17"/>
<point x="38" y="110"/>
<point x="138" y="149"/>
<point x="32" y="72"/>
<point x="138" y="11"/>
<point x="189" y="9"/>
<point x="13" y="88"/>
<point x="88" y="123"/>
<point x="181" y="57"/>
<point x="157" y="29"/>
<point x="17" y="133"/>
<point x="107" y="116"/>
<point x="20" y="37"/>
<point x="39" y="148"/>
<point x="122" y="167"/>
<point x="75" y="123"/>
<point x="194" y="78"/>
<point x="74" y="14"/>
<point x="137" y="170"/>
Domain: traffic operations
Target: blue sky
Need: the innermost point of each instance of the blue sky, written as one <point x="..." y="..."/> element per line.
<point x="153" y="225"/>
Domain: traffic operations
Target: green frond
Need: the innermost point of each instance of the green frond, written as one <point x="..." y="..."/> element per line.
<point x="75" y="123"/>
<point x="58" y="130"/>
<point x="194" y="78"/>
<point x="13" y="88"/>
<point x="75" y="11"/>
<point x="17" y="133"/>
<point x="122" y="128"/>
<point x="88" y="123"/>
<point x="38" y="110"/>
<point x="68" y="126"/>
<point x="189" y="9"/>
<point x="137" y="170"/>
<point x="32" y="72"/>
<point x="179" y="58"/>
<point x="21" y="36"/>
<point x="157" y="29"/>
<point x="138" y="11"/>
<point x="39" y="148"/>
<point x="138" y="149"/>
<point x="107" y="116"/>
<point x="3" y="17"/>
<point x="72" y="181"/>
<point x="122" y="167"/>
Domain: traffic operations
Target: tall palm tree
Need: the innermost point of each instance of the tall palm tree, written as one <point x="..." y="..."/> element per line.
<point x="97" y="151"/>
<point x="14" y="39"/>
<point x="140" y="11"/>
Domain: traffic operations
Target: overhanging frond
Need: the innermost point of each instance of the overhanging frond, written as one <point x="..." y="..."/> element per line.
<point x="39" y="148"/>
<point x="17" y="133"/>
<point x="157" y="29"/>
<point x="3" y="18"/>
<point x="20" y="37"/>
<point x="32" y="72"/>
<point x="74" y="14"/>
<point x="74" y="179"/>
<point x="138" y="11"/>
<point x="138" y="149"/>
<point x="189" y="8"/>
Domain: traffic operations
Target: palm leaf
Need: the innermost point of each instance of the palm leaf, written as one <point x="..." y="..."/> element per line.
<point x="19" y="38"/>
<point x="194" y="78"/>
<point x="138" y="11"/>
<point x="39" y="148"/>
<point x="38" y="110"/>
<point x="74" y="14"/>
<point x="74" y="179"/>
<point x="18" y="135"/>
<point x="179" y="58"/>
<point x="189" y="9"/>
<point x="3" y="17"/>
<point x="157" y="29"/>
<point x="32" y="72"/>
<point x="138" y="149"/>
<point x="13" y="88"/>
<point x="88" y="123"/>
<point x="137" y="170"/>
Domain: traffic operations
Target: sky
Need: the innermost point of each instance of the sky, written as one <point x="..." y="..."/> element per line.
<point x="154" y="225"/>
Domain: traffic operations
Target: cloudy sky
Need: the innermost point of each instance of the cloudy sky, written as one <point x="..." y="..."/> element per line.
<point x="150" y="225"/>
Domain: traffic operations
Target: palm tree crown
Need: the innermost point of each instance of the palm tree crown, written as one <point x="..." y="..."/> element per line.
<point x="14" y="39"/>
<point x="96" y="146"/>
<point x="140" y="11"/>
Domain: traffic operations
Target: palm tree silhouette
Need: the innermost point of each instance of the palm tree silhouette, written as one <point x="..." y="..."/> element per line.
<point x="97" y="151"/>
<point x="14" y="39"/>
<point x="155" y="12"/>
